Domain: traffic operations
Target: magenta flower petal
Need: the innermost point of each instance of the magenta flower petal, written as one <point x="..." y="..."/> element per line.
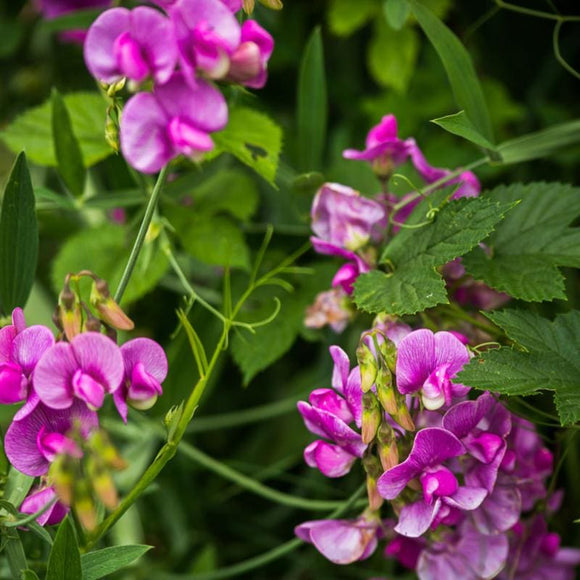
<point x="28" y="407"/>
<point x="331" y="460"/>
<point x="415" y="360"/>
<point x="466" y="498"/>
<point x="353" y="395"/>
<point x="7" y="336"/>
<point x="500" y="511"/>
<point x="416" y="518"/>
<point x="148" y="352"/>
<point x="29" y="346"/>
<point x="53" y="375"/>
<point x="450" y="350"/>
<point x="328" y="400"/>
<point x="35" y="501"/>
<point x="341" y="368"/>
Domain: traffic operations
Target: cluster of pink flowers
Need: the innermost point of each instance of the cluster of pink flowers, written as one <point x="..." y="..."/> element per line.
<point x="182" y="49"/>
<point x="63" y="385"/>
<point x="466" y="479"/>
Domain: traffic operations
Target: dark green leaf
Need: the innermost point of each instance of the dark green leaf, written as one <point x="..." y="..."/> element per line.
<point x="396" y="13"/>
<point x="66" y="147"/>
<point x="64" y="562"/>
<point x="32" y="131"/>
<point x="254" y="139"/>
<point x="346" y="16"/>
<point x="74" y="20"/>
<point x="18" y="238"/>
<point x="525" y="251"/>
<point x="550" y="361"/>
<point x="17" y="487"/>
<point x="312" y="105"/>
<point x="459" y="68"/>
<point x="414" y="254"/>
<point x="28" y="575"/>
<point x="459" y="124"/>
<point x="103" y="562"/>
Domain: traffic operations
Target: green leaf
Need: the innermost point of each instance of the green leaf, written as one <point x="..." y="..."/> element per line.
<point x="458" y="66"/>
<point x="459" y="124"/>
<point x="550" y="361"/>
<point x="66" y="147"/>
<point x="396" y="13"/>
<point x="28" y="575"/>
<point x="525" y="251"/>
<point x="18" y="238"/>
<point x="17" y="487"/>
<point x="312" y="105"/>
<point x="392" y="55"/>
<point x="104" y="251"/>
<point x="540" y="144"/>
<point x="64" y="562"/>
<point x="346" y="16"/>
<point x="254" y="139"/>
<point x="103" y="562"/>
<point x="414" y="284"/>
<point x="32" y="131"/>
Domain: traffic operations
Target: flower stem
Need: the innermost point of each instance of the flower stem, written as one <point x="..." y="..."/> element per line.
<point x="151" y="206"/>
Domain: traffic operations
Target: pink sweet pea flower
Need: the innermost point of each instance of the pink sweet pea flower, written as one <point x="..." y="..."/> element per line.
<point x="39" y="498"/>
<point x="136" y="44"/>
<point x="87" y="368"/>
<point x="173" y="120"/>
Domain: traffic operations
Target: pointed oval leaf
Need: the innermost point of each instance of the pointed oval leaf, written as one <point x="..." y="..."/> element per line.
<point x="64" y="562"/>
<point x="396" y="13"/>
<point x="460" y="124"/>
<point x="103" y="562"/>
<point x="18" y="238"/>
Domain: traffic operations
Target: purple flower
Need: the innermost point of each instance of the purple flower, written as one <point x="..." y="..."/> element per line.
<point x="341" y="541"/>
<point x="405" y="550"/>
<point x="145" y="366"/>
<point x="39" y="498"/>
<point x="53" y="8"/>
<point x="175" y="119"/>
<point x="249" y="63"/>
<point x="331" y="307"/>
<point x="427" y="362"/>
<point x="87" y="368"/>
<point x="341" y="217"/>
<point x="34" y="441"/>
<point x="136" y="44"/>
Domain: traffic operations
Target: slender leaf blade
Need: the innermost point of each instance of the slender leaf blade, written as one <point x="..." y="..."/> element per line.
<point x="459" y="124"/>
<point x="17" y="487"/>
<point x="64" y="562"/>
<point x="18" y="238"/>
<point x="103" y="562"/>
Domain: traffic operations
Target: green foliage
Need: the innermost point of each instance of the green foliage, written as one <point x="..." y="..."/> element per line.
<point x="414" y="284"/>
<point x="103" y="562"/>
<point x="526" y="249"/>
<point x="396" y="13"/>
<point x="18" y="238"/>
<point x="64" y="562"/>
<point x="392" y="55"/>
<point x="254" y="139"/>
<point x="66" y="147"/>
<point x="549" y="360"/>
<point x="459" y="124"/>
<point x="346" y="16"/>
<point x="312" y="104"/>
<point x="104" y="251"/>
<point x="17" y="487"/>
<point x="32" y="131"/>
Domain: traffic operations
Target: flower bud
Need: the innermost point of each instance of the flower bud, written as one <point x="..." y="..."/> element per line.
<point x="106" y="451"/>
<point x="371" y="417"/>
<point x="102" y="483"/>
<point x="69" y="313"/>
<point x="272" y="4"/>
<point x="368" y="366"/>
<point x="387" y="446"/>
<point x="62" y="475"/>
<point x="108" y="309"/>
<point x="249" y="6"/>
<point x="388" y="352"/>
<point x="373" y="469"/>
<point x="84" y="505"/>
<point x="402" y="416"/>
<point x="386" y="391"/>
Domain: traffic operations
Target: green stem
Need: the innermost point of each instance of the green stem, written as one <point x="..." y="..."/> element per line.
<point x="556" y="46"/>
<point x="536" y="13"/>
<point x="152" y="204"/>
<point x="457" y="312"/>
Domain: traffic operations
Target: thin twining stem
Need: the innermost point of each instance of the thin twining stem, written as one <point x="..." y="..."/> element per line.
<point x="536" y="13"/>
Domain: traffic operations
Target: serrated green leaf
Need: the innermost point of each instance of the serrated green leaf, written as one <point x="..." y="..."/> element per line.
<point x="104" y="251"/>
<point x="18" y="238"/>
<point x="414" y="254"/>
<point x="103" y="562"/>
<point x="525" y="251"/>
<point x="392" y="55"/>
<point x="458" y="66"/>
<point x="66" y="147"/>
<point x="550" y="361"/>
<point x="346" y="16"/>
<point x="396" y="13"/>
<point x="32" y="131"/>
<point x="459" y="124"/>
<point x="541" y="143"/>
<point x="254" y="139"/>
<point x="64" y="562"/>
<point x="312" y="104"/>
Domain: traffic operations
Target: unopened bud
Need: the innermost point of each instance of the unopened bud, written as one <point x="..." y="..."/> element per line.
<point x="249" y="6"/>
<point x="387" y="446"/>
<point x="388" y="352"/>
<point x="402" y="416"/>
<point x="106" y="451"/>
<point x="84" y="505"/>
<point x="62" y="475"/>
<point x="114" y="88"/>
<point x="368" y="366"/>
<point x="112" y="134"/>
<point x="371" y="417"/>
<point x="69" y="313"/>
<point x="108" y="309"/>
<point x="272" y="4"/>
<point x="386" y="391"/>
<point x="102" y="483"/>
<point x="374" y="471"/>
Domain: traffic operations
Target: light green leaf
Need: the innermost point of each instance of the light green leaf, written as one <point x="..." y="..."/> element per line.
<point x="346" y="16"/>
<point x="32" y="131"/>
<point x="459" y="68"/>
<point x="312" y="104"/>
<point x="413" y="254"/>
<point x="392" y="55"/>
<point x="459" y="124"/>
<point x="64" y="562"/>
<point x="28" y="575"/>
<point x="540" y="144"/>
<point x="254" y="139"/>
<point x="17" y="487"/>
<point x="550" y="362"/>
<point x="525" y="251"/>
<point x="66" y="147"/>
<point x="104" y="251"/>
<point x="396" y="13"/>
<point x="18" y="238"/>
<point x="103" y="562"/>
